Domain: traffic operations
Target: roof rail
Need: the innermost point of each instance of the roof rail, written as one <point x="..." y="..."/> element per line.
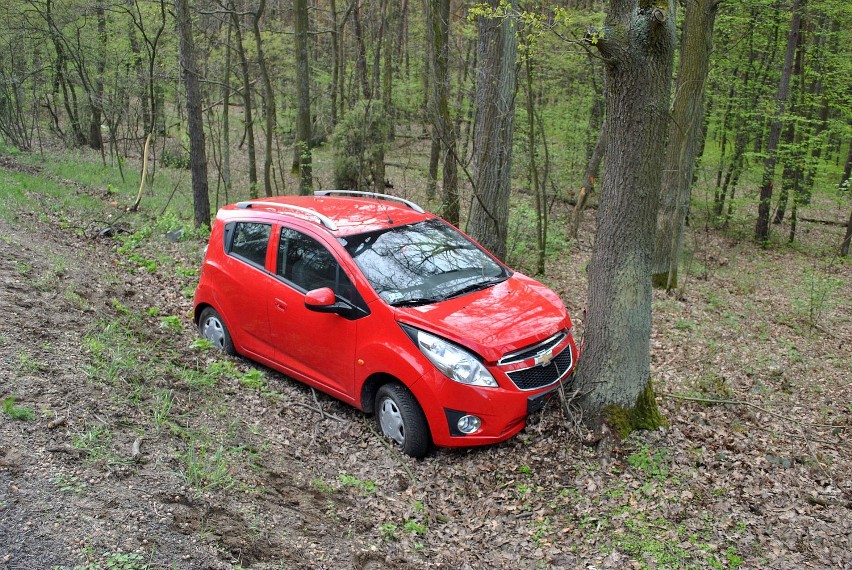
<point x="327" y="222"/>
<point x="408" y="203"/>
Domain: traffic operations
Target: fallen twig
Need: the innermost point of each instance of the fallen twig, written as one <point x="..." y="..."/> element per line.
<point x="319" y="411"/>
<point x="750" y="405"/>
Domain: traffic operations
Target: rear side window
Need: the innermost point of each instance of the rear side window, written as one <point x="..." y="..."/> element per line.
<point x="248" y="241"/>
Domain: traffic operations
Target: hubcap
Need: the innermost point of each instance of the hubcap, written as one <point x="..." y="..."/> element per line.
<point x="214" y="332"/>
<point x="391" y="421"/>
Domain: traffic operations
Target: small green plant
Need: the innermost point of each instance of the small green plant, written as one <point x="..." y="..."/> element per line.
<point x="388" y="531"/>
<point x="414" y="527"/>
<point x="27" y="363"/>
<point x="21" y="413"/>
<point x="69" y="484"/>
<point x="165" y="401"/>
<point x="253" y="380"/>
<point x="366" y="487"/>
<point x="171" y="323"/>
<point x="204" y="469"/>
<point x="685" y="325"/>
<point x="321" y="486"/>
<point x="94" y="442"/>
<point x="525" y="469"/>
<point x="654" y="462"/>
<point x="201" y="344"/>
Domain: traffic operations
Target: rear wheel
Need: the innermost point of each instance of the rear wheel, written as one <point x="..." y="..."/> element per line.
<point x="400" y="418"/>
<point x="212" y="327"/>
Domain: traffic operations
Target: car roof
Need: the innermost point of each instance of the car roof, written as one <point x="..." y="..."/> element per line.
<point x="340" y="215"/>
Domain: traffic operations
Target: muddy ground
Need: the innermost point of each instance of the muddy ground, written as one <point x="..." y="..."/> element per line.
<point x="238" y="466"/>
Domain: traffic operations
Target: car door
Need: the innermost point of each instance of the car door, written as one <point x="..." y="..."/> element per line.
<point x="318" y="346"/>
<point x="243" y="280"/>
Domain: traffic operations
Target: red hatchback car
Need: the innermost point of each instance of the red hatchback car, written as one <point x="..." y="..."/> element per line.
<point x="388" y="308"/>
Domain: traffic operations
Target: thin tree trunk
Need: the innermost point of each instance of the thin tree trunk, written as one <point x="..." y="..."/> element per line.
<point x="226" y="115"/>
<point x="438" y="19"/>
<point x="361" y="57"/>
<point x="197" y="155"/>
<point x="302" y="146"/>
<point x="687" y="119"/>
<point x="844" y="247"/>
<point x="761" y="228"/>
<point x="588" y="187"/>
<point x="247" y="102"/>
<point x="268" y="97"/>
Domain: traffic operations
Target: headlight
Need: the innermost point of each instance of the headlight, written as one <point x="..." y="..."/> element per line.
<point x="455" y="362"/>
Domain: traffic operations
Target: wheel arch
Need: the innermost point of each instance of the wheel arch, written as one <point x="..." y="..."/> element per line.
<point x="371" y="387"/>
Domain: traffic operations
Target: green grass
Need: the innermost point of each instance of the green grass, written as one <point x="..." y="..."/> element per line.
<point x="20" y="413"/>
<point x="206" y="468"/>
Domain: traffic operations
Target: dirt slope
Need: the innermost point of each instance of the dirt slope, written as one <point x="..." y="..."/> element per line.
<point x="237" y="470"/>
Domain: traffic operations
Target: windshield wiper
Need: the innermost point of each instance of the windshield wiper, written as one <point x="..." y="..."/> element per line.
<point x="416" y="301"/>
<point x="478" y="286"/>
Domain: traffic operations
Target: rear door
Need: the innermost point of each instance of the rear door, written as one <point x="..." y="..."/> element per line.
<point x="243" y="283"/>
<point x="319" y="347"/>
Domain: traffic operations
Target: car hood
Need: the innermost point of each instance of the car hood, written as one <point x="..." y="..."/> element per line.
<point x="506" y="317"/>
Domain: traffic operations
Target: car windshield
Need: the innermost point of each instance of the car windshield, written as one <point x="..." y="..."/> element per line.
<point x="422" y="263"/>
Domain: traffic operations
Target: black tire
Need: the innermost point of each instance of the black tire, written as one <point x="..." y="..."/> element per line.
<point x="401" y="419"/>
<point x="212" y="327"/>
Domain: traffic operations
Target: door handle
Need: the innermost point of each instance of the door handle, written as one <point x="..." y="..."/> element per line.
<point x="280" y="305"/>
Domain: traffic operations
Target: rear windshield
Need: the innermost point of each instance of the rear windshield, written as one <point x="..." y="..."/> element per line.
<point x="423" y="263"/>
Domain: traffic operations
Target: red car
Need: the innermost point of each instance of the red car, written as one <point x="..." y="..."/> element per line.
<point x="388" y="308"/>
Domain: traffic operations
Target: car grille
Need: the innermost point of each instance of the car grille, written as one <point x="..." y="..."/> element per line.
<point x="533" y="350"/>
<point x="540" y="376"/>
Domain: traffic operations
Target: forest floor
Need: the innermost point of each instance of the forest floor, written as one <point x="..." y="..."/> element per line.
<point x="238" y="466"/>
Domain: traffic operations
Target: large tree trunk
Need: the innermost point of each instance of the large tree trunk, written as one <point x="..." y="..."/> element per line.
<point x="495" y="124"/>
<point x="637" y="47"/>
<point x="197" y="154"/>
<point x="684" y="139"/>
<point x="761" y="228"/>
<point x="302" y="147"/>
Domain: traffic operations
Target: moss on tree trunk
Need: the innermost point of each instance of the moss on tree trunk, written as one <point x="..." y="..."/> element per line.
<point x="644" y="415"/>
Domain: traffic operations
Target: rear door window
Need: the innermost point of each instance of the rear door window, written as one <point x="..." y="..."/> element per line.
<point x="248" y="241"/>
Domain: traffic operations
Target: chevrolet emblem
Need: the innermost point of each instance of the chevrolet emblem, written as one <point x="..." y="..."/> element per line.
<point x="544" y="358"/>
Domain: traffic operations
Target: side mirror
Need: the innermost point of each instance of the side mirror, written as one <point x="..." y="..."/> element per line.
<point x="322" y="301"/>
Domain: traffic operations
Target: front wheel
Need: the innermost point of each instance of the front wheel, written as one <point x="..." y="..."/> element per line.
<point x="212" y="327"/>
<point x="400" y="418"/>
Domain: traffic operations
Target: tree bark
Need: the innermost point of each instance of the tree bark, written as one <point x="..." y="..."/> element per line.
<point x="844" y="247"/>
<point x="683" y="141"/>
<point x="494" y="128"/>
<point x="588" y="187"/>
<point x="247" y="101"/>
<point x="197" y="154"/>
<point x="637" y="47"/>
<point x="761" y="228"/>
<point x="302" y="146"/>
<point x="268" y="97"/>
<point x="226" y="115"/>
<point x="438" y="22"/>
